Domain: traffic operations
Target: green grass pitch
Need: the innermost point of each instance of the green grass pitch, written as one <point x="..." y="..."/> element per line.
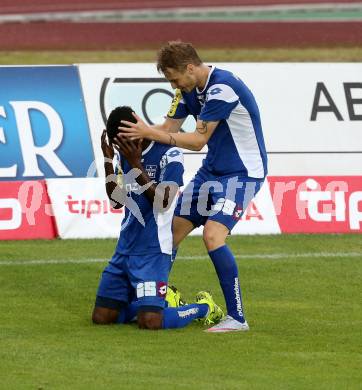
<point x="302" y="297"/>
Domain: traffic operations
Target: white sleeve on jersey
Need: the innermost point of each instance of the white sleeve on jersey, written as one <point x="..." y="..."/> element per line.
<point x="175" y="155"/>
<point x="222" y="92"/>
<point x="175" y="171"/>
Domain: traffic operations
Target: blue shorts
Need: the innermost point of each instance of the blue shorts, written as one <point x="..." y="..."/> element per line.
<point x="218" y="198"/>
<point x="128" y="278"/>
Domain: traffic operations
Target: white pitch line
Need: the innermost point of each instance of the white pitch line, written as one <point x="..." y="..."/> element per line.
<point x="272" y="256"/>
<point x="46" y="262"/>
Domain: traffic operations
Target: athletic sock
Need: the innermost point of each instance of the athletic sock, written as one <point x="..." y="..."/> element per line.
<point x="127" y="313"/>
<point x="227" y="271"/>
<point x="179" y="317"/>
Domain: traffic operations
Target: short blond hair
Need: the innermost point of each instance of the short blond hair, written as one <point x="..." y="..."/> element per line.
<point x="177" y="55"/>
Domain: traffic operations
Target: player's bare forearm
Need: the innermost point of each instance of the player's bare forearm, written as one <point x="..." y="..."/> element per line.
<point x="111" y="184"/>
<point x="169" y="125"/>
<point x="159" y="127"/>
<point x="153" y="193"/>
<point x="192" y="141"/>
<point x="144" y="180"/>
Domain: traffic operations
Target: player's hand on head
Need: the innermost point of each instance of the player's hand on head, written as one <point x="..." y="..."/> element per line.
<point x="130" y="150"/>
<point x="107" y="148"/>
<point x="133" y="130"/>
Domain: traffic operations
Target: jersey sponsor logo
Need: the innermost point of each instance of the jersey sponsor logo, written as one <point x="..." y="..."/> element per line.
<point x="151" y="171"/>
<point x="215" y="91"/>
<point x="221" y="92"/>
<point x="174" y="153"/>
<point x="175" y="102"/>
<point x="43" y="125"/>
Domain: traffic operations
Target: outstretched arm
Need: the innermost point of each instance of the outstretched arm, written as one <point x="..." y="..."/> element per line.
<point x="192" y="141"/>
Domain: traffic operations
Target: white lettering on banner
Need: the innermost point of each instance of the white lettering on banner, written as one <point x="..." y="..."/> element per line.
<point x="29" y="150"/>
<point x="336" y="208"/>
<point x="10" y="171"/>
<point x="355" y="216"/>
<point x="15" y="221"/>
<point x="313" y="198"/>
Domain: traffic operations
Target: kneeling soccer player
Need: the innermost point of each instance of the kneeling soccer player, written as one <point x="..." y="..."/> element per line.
<point x="134" y="283"/>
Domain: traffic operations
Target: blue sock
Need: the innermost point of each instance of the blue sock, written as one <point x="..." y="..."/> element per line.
<point x="127" y="313"/>
<point x="179" y="317"/>
<point x="227" y="271"/>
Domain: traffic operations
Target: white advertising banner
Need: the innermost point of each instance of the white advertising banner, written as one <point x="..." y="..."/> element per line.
<point x="312" y="120"/>
<point x="311" y="113"/>
<point x="82" y="210"/>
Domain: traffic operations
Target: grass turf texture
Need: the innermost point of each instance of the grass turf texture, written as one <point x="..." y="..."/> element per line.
<point x="338" y="54"/>
<point x="305" y="317"/>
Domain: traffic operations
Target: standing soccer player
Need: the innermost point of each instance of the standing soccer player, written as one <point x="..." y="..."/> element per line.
<point x="134" y="283"/>
<point x="228" y="121"/>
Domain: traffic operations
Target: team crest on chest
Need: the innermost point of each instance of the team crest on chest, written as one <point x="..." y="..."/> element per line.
<point x="151" y="171"/>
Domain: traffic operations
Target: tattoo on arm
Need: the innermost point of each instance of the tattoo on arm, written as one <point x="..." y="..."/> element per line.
<point x="203" y="128"/>
<point x="172" y="141"/>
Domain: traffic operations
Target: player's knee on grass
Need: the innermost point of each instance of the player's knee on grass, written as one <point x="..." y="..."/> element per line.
<point x="104" y="316"/>
<point x="150" y="319"/>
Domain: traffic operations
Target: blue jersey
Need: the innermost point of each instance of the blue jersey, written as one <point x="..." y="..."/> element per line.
<point x="162" y="163"/>
<point x="237" y="144"/>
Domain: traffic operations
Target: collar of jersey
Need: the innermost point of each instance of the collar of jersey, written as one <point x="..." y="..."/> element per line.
<point x="148" y="148"/>
<point x="207" y="81"/>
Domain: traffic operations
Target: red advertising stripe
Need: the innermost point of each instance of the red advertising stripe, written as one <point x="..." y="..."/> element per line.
<point x="318" y="204"/>
<point x="25" y="211"/>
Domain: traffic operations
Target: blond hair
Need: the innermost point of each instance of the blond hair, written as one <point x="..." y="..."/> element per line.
<point x="177" y="55"/>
